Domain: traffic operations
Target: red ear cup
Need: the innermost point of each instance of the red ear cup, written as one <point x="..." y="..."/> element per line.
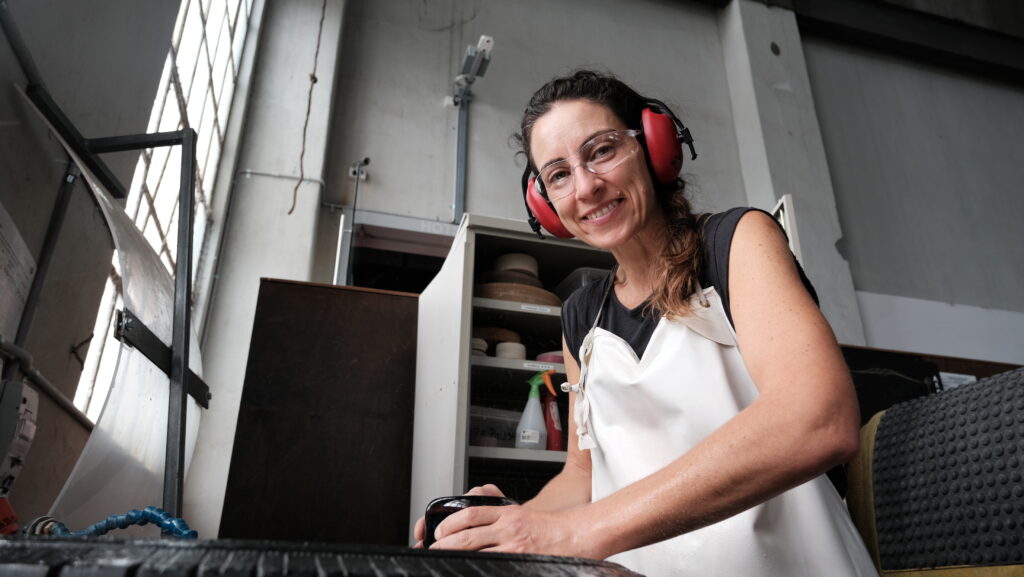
<point x="663" y="146"/>
<point x="544" y="212"/>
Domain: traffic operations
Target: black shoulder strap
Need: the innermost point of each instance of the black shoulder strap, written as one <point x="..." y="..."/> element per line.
<point x="718" y="231"/>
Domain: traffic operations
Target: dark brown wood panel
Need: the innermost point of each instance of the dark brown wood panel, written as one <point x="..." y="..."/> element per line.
<point x="323" y="447"/>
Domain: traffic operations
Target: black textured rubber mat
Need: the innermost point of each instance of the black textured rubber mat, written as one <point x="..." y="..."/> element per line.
<point x="947" y="476"/>
<point x="65" y="557"/>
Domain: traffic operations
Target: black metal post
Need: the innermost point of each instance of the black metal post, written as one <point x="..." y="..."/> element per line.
<point x="134" y="142"/>
<point x="60" y="209"/>
<point x="174" y="470"/>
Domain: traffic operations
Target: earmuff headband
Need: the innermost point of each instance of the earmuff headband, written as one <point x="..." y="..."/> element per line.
<point x="663" y="137"/>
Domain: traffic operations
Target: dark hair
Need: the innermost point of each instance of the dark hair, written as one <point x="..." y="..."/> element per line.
<point x="678" y="271"/>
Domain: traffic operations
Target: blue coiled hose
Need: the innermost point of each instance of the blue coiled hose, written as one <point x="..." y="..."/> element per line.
<point x="168" y="525"/>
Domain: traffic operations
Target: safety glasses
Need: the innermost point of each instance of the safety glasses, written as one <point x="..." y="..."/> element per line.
<point x="598" y="155"/>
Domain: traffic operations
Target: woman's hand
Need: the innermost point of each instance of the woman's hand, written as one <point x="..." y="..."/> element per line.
<point x="516" y="529"/>
<point x="419" y="530"/>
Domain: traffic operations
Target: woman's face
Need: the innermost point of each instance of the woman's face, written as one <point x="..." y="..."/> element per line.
<point x="604" y="210"/>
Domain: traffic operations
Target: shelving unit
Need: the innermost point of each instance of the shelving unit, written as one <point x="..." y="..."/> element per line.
<point x="449" y="379"/>
<point x="515" y="365"/>
<point x="517" y="454"/>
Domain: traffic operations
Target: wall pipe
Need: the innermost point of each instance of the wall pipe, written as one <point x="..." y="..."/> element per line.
<point x="474" y="65"/>
<point x="357" y="170"/>
<point x="248" y="173"/>
<point x="462" y="100"/>
<point x="24" y="361"/>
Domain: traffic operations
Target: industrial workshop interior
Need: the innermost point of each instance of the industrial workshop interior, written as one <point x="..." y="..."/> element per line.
<point x="270" y="287"/>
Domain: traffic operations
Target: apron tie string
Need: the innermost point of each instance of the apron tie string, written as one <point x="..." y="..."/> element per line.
<point x="581" y="410"/>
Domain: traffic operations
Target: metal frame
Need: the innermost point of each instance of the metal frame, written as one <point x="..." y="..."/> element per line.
<point x="784" y="213"/>
<point x="86" y="150"/>
<point x="354" y="221"/>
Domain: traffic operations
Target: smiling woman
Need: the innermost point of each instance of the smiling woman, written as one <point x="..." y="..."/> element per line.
<point x="687" y="453"/>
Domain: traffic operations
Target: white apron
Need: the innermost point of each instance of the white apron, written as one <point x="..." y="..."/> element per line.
<point x="638" y="415"/>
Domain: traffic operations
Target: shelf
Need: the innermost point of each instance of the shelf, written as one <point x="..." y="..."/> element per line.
<point x="509" y="454"/>
<point x="539" y="325"/>
<point x="516" y="364"/>
<point x="517" y="307"/>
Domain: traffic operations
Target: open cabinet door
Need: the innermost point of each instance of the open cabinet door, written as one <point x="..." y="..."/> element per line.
<point x="443" y="334"/>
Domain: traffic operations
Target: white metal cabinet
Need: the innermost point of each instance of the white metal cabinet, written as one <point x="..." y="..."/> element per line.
<point x="449" y="378"/>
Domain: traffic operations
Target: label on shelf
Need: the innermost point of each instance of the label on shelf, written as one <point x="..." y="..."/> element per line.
<point x="535" y="308"/>
<point x="538" y="366"/>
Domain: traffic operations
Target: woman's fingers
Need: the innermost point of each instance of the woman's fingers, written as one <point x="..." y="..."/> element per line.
<point x="455" y="531"/>
<point x="487" y="490"/>
<point x="419" y="530"/>
<point x="512" y="529"/>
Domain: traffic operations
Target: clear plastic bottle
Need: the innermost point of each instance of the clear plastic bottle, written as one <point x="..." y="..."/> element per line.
<point x="532" y="431"/>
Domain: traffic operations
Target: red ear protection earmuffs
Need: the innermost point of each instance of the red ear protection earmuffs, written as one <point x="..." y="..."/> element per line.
<point x="663" y="136"/>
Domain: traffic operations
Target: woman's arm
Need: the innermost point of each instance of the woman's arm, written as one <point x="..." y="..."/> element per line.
<point x="804" y="422"/>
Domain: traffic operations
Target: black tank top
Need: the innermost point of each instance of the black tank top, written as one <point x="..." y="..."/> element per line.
<point x="635" y="326"/>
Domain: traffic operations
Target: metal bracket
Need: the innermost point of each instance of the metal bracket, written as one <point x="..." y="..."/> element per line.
<point x="134" y="333"/>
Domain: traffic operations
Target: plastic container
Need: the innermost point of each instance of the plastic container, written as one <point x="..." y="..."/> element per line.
<point x="577" y="279"/>
<point x="532" y="432"/>
<point x="552" y="421"/>
<point x="552" y="357"/>
<point x="489" y="427"/>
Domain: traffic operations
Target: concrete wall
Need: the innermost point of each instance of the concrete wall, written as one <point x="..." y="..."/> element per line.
<point x="781" y="151"/>
<point x="927" y="169"/>
<point x="399" y="60"/>
<point x="714" y="66"/>
<point x="101" y="62"/>
<point x="271" y="223"/>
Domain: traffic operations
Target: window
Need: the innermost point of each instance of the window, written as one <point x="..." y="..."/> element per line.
<point x="196" y="90"/>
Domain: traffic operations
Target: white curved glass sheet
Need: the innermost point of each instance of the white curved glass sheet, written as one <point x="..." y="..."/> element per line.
<point x="122" y="465"/>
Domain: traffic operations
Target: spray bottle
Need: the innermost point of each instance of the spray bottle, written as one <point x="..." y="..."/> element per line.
<point x="549" y="404"/>
<point x="532" y="432"/>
